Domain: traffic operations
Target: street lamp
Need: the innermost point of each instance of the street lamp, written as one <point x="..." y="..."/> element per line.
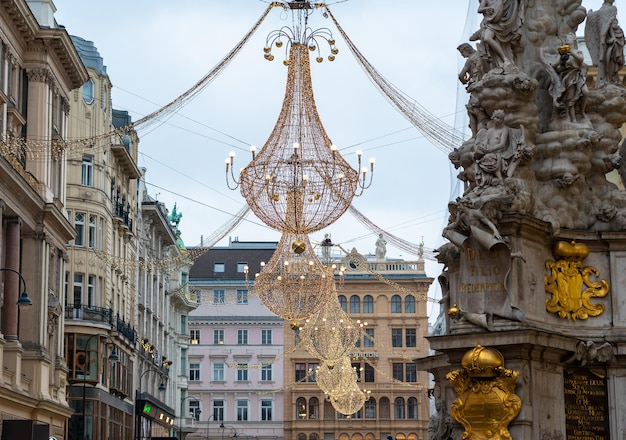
<point x="162" y="387"/>
<point x="23" y="300"/>
<point x="113" y="357"/>
<point x="180" y="420"/>
<point x="207" y="424"/>
<point x="231" y="427"/>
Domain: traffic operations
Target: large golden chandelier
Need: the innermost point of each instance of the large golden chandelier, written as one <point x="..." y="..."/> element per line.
<point x="299" y="182"/>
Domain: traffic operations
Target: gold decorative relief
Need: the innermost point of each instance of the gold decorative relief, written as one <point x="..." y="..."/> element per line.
<point x="570" y="285"/>
<point x="486" y="401"/>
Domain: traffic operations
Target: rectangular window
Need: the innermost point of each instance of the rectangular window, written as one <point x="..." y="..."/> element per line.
<point x="92" y="231"/>
<point x="218" y="410"/>
<point x="242" y="372"/>
<point x="300" y="372"/>
<point x="398" y="373"/>
<point x="87" y="171"/>
<point x="194" y="371"/>
<point x="266" y="410"/>
<point x="242" y="337"/>
<point x="411" y="372"/>
<point x="79" y="286"/>
<point x="218" y="296"/>
<point x="219" y="267"/>
<point x="242" y="410"/>
<point x="194" y="409"/>
<point x="312" y="371"/>
<point x="242" y="267"/>
<point x="194" y="335"/>
<point x="266" y="373"/>
<point x="369" y="373"/>
<point x="266" y="337"/>
<point x="218" y="371"/>
<point x="218" y="336"/>
<point x="101" y="234"/>
<point x="411" y="337"/>
<point x="368" y="339"/>
<point x="79" y="225"/>
<point x="396" y="337"/>
<point x="91" y="290"/>
<point x="242" y="296"/>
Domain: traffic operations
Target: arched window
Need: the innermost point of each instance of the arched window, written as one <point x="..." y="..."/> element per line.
<point x="411" y="408"/>
<point x="301" y="408"/>
<point x="343" y="303"/>
<point x="355" y="304"/>
<point x="370" y="436"/>
<point x="368" y="304"/>
<point x="398" y="408"/>
<point x="383" y="408"/>
<point x="314" y="408"/>
<point x="357" y="436"/>
<point x="396" y="304"/>
<point x="409" y="304"/>
<point x="370" y="408"/>
<point x="314" y="436"/>
<point x="344" y="436"/>
<point x="329" y="410"/>
<point x="301" y="436"/>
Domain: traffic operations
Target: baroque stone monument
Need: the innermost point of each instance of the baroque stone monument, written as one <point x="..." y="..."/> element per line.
<point x="535" y="266"/>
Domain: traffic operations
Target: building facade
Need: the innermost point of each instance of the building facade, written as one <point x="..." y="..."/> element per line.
<point x="101" y="276"/>
<point x="389" y="298"/>
<point x="39" y="67"/>
<point x="235" y="357"/>
<point x="164" y="301"/>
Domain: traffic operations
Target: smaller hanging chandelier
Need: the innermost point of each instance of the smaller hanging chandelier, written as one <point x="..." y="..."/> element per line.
<point x="336" y="378"/>
<point x="330" y="334"/>
<point x="294" y="284"/>
<point x="350" y="402"/>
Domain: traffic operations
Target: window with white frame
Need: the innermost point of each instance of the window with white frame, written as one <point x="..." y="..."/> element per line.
<point x="266" y="337"/>
<point x="218" y="371"/>
<point x="194" y="409"/>
<point x="91" y="239"/>
<point x="194" y="371"/>
<point x="218" y="410"/>
<point x="218" y="296"/>
<point x="219" y="267"/>
<point x="194" y="336"/>
<point x="241" y="267"/>
<point x="242" y="372"/>
<point x="91" y="290"/>
<point x="79" y="286"/>
<point x="242" y="337"/>
<point x="242" y="296"/>
<point x="266" y="373"/>
<point x="242" y="410"/>
<point x="79" y="226"/>
<point x="266" y="410"/>
<point x="87" y="170"/>
<point x="218" y="336"/>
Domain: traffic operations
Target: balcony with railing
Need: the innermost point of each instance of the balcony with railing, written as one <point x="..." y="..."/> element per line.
<point x="103" y="315"/>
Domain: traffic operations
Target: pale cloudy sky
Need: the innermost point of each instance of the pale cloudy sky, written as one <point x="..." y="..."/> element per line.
<point x="155" y="50"/>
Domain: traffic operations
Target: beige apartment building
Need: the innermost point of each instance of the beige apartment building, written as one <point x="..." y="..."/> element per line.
<point x="389" y="295"/>
<point x="39" y="67"/>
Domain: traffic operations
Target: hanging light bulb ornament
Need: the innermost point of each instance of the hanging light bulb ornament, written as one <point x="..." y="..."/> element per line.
<point x="330" y="334"/>
<point x="350" y="402"/>
<point x="336" y="378"/>
<point x="294" y="284"/>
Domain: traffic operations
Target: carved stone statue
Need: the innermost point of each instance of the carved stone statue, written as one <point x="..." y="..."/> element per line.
<point x="500" y="30"/>
<point x="472" y="69"/>
<point x="568" y="74"/>
<point x="381" y="247"/>
<point x="440" y="424"/>
<point x="605" y="40"/>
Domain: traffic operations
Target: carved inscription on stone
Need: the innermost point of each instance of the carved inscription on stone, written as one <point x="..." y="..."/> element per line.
<point x="586" y="405"/>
